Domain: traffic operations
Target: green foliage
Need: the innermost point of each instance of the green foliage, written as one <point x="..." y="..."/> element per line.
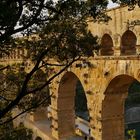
<point x="8" y="17"/>
<point x="13" y="81"/>
<point x="8" y="132"/>
<point x="29" y="15"/>
<point x="132" y="134"/>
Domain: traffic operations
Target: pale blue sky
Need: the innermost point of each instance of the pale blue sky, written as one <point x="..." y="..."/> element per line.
<point x="111" y="5"/>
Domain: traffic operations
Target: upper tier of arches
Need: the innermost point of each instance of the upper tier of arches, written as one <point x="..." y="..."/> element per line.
<point x="127" y="44"/>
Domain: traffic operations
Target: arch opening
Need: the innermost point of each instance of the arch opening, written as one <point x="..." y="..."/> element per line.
<point x="81" y="109"/>
<point x="132" y="111"/>
<point x="106" y="45"/>
<point x="115" y="108"/>
<point x="72" y="105"/>
<point x="38" y="138"/>
<point x="128" y="43"/>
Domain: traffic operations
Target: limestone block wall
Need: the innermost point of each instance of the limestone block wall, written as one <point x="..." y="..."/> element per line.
<point x="121" y="21"/>
<point x="106" y="83"/>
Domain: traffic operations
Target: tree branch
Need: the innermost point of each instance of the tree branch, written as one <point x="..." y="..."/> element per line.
<point x="3" y="68"/>
<point x="33" y="21"/>
<point x="51" y="78"/>
<point x="49" y="64"/>
<point x="23" y="91"/>
<point x="28" y="109"/>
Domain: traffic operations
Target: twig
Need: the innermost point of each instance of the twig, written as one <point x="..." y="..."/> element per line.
<point x="3" y="68"/>
<point x="1" y="97"/>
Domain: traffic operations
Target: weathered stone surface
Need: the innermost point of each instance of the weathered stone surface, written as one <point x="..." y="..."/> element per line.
<point x="105" y="83"/>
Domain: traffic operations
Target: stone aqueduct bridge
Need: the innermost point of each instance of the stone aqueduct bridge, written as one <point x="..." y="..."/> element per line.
<point x="106" y="86"/>
<point x="105" y="79"/>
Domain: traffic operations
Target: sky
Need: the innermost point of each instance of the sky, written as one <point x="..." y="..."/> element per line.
<point x="111" y="5"/>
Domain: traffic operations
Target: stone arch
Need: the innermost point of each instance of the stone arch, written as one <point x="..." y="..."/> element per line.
<point x="106" y="45"/>
<point x="66" y="105"/>
<point x="113" y="107"/>
<point x="128" y="43"/>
